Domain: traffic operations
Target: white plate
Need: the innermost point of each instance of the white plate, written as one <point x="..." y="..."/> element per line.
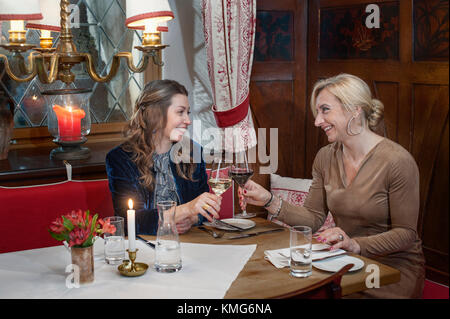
<point x="316" y="247"/>
<point x="243" y="223"/>
<point x="335" y="264"/>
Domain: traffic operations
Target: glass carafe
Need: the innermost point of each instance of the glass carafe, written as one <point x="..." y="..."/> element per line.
<point x="168" y="253"/>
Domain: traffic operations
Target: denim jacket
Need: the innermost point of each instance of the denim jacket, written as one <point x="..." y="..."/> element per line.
<point x="123" y="177"/>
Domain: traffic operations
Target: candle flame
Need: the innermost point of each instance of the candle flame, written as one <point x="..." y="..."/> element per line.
<point x="130" y="203"/>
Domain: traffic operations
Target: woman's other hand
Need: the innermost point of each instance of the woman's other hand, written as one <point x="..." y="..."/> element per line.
<point x="184" y="225"/>
<point x="253" y="194"/>
<point x="338" y="239"/>
<point x="206" y="204"/>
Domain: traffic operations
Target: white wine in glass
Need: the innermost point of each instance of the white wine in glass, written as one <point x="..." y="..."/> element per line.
<point x="219" y="179"/>
<point x="220" y="185"/>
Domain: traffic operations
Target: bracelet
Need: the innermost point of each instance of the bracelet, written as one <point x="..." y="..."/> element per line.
<point x="272" y="216"/>
<point x="270" y="201"/>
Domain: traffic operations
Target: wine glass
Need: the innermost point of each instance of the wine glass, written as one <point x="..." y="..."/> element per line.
<point x="241" y="172"/>
<point x="219" y="179"/>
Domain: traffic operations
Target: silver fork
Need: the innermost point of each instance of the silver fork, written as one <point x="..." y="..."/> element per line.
<point x="211" y="232"/>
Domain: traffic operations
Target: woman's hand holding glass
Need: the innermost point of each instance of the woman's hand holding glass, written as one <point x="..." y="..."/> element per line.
<point x="207" y="204"/>
<point x="253" y="194"/>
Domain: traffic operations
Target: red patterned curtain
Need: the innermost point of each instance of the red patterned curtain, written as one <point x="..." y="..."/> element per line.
<point x="229" y="28"/>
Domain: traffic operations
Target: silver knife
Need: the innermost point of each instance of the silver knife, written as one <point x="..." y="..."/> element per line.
<point x="257" y="233"/>
<point x="218" y="221"/>
<point x="148" y="242"/>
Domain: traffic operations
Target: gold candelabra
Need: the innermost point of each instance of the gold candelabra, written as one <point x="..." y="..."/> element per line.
<point x="51" y="64"/>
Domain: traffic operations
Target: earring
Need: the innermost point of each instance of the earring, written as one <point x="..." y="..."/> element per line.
<point x="349" y="130"/>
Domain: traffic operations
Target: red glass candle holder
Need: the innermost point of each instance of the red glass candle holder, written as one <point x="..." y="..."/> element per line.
<point x="69" y="122"/>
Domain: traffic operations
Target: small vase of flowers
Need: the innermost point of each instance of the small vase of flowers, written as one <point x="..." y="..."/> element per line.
<point x="80" y="229"/>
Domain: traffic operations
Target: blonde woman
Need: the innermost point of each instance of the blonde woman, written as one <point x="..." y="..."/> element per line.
<point x="369" y="183"/>
<point x="142" y="167"/>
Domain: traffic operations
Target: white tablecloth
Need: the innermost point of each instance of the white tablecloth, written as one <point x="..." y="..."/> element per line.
<point x="207" y="272"/>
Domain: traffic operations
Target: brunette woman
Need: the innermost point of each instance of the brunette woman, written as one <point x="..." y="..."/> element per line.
<point x="143" y="167"/>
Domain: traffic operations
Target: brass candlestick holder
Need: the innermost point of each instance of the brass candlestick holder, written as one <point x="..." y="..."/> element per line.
<point x="132" y="269"/>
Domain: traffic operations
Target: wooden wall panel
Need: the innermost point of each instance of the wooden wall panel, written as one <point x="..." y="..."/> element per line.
<point x="278" y="83"/>
<point x="388" y="92"/>
<point x="430" y="149"/>
<point x="435" y="226"/>
<point x="275" y="105"/>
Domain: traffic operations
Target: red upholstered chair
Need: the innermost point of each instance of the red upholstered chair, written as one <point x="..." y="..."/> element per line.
<point x="26" y="212"/>
<point x="227" y="208"/>
<point x="434" y="290"/>
<point x="329" y="288"/>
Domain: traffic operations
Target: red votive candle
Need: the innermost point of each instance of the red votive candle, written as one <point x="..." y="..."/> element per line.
<point x="69" y="122"/>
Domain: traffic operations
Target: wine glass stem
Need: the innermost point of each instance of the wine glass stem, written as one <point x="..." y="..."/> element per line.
<point x="244" y="210"/>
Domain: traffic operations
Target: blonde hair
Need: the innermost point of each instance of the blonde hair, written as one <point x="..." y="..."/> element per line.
<point x="150" y="116"/>
<point x="351" y="92"/>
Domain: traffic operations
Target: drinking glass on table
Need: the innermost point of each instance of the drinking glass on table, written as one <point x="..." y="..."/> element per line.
<point x="115" y="242"/>
<point x="300" y="251"/>
<point x="241" y="172"/>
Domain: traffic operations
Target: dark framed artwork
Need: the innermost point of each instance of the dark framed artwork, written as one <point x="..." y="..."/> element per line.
<point x="274" y="38"/>
<point x="344" y="33"/>
<point x="430" y="30"/>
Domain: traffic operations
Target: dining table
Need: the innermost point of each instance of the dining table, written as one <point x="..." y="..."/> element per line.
<point x="260" y="279"/>
<point x="218" y="267"/>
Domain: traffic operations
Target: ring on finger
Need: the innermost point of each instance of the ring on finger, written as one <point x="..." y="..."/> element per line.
<point x="206" y="207"/>
<point x="341" y="238"/>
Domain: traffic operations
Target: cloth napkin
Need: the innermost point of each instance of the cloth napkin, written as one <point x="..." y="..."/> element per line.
<point x="278" y="260"/>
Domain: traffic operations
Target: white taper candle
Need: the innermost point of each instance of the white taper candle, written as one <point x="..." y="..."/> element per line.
<point x="131" y="227"/>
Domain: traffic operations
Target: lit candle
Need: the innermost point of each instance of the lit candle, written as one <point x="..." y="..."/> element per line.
<point x="131" y="227"/>
<point x="17" y="25"/>
<point x="17" y="33"/>
<point x="151" y="36"/>
<point x="45" y="33"/>
<point x="46" y="39"/>
<point x="69" y="122"/>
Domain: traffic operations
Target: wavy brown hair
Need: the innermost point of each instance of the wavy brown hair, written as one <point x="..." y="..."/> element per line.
<point x="150" y="116"/>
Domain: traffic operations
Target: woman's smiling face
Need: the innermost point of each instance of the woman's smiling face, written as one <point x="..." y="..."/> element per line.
<point x="331" y="116"/>
<point x="177" y="118"/>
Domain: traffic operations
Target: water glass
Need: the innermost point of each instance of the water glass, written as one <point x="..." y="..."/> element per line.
<point x="115" y="242"/>
<point x="300" y="249"/>
<point x="167" y="250"/>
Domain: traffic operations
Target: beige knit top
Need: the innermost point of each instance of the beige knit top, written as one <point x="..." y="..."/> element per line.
<point x="379" y="209"/>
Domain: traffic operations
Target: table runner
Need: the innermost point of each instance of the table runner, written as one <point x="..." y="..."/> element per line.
<point x="208" y="271"/>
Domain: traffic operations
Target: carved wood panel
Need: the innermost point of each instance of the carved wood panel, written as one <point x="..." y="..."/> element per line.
<point x="278" y="83"/>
